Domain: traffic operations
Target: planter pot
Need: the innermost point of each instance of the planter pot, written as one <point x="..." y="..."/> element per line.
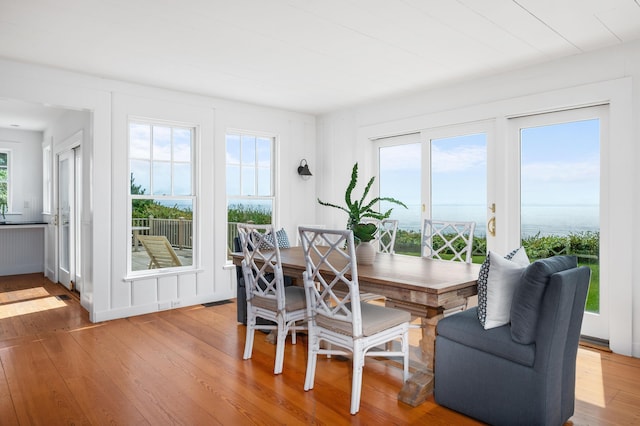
<point x="365" y="253"/>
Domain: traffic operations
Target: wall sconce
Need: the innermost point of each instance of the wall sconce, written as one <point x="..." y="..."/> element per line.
<point x="303" y="169"/>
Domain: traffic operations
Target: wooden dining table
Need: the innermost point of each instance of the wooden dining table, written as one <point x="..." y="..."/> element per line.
<point x="427" y="288"/>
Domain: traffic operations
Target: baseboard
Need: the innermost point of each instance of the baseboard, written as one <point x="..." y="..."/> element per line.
<point x="595" y="343"/>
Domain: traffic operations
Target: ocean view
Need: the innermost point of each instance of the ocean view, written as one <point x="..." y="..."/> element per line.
<point x="548" y="220"/>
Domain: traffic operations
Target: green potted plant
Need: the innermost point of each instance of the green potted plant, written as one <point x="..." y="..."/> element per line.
<point x="358" y="210"/>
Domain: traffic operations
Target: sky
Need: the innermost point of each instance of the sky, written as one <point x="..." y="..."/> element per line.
<point x="560" y="166"/>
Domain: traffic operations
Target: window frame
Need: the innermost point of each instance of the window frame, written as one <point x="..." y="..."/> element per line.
<point x="193" y="196"/>
<point x="272" y="198"/>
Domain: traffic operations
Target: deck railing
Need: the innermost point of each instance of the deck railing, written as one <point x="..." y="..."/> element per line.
<point x="179" y="231"/>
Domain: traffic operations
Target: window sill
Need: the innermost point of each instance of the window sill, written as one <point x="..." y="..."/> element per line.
<point x="156" y="273"/>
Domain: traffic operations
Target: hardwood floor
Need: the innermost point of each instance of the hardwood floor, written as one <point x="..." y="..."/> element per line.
<point x="185" y="366"/>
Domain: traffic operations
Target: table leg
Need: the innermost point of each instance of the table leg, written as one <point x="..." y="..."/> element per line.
<point x="417" y="389"/>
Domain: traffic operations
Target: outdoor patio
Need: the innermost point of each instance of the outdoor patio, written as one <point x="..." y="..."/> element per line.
<point x="140" y="258"/>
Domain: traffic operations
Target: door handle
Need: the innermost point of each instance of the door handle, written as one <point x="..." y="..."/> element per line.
<point x="491" y="226"/>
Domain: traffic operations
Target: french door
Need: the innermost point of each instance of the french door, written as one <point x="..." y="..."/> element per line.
<point x="440" y="174"/>
<point x="554" y="196"/>
<point x="537" y="185"/>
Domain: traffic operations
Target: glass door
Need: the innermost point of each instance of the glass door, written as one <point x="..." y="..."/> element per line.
<point x="557" y="202"/>
<point x="400" y="177"/>
<point x="459" y="184"/>
<point x="439" y="174"/>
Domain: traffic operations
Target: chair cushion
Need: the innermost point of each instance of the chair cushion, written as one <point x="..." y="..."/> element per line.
<point x="465" y="329"/>
<point x="497" y="281"/>
<point x="295" y="299"/>
<point x="528" y="296"/>
<point x="374" y="319"/>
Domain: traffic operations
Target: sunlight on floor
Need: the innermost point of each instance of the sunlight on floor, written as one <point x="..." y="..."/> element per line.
<point x="31" y="306"/>
<point x="589" y="381"/>
<point x="26" y="294"/>
<point x="88" y="327"/>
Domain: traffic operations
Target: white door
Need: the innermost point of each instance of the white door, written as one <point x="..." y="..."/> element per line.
<point x="440" y="174"/>
<point x="554" y="195"/>
<point x="66" y="218"/>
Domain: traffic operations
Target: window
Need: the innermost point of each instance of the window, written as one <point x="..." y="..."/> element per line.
<point x="4" y="183"/>
<point x="250" y="177"/>
<point x="162" y="194"/>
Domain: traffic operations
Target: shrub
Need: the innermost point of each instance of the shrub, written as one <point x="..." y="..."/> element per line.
<point x="240" y="213"/>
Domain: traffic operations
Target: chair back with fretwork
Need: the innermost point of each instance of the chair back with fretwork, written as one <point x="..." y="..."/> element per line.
<point x="307" y="226"/>
<point x="334" y="297"/>
<point x="385" y="238"/>
<point x="448" y="240"/>
<point x="262" y="268"/>
<point x="387" y="230"/>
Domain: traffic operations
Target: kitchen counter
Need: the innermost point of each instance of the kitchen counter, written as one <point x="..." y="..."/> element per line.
<point x="22" y="247"/>
<point x="10" y="224"/>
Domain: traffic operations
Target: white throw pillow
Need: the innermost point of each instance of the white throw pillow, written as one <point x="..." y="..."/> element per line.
<point x="497" y="282"/>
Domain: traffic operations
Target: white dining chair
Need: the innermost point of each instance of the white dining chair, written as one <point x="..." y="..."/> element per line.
<point x="385" y="240"/>
<point x="448" y="240"/>
<point x="387" y="230"/>
<point x="306" y="226"/>
<point x="267" y="296"/>
<point x="341" y="319"/>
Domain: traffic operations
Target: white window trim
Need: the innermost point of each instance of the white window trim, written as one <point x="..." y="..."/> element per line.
<point x="131" y="275"/>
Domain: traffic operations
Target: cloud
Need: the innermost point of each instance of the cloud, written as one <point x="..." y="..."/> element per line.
<point x="462" y="158"/>
<point x="401" y="157"/>
<point x="562" y="171"/>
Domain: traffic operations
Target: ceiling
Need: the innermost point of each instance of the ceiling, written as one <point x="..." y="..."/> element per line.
<point x="312" y="56"/>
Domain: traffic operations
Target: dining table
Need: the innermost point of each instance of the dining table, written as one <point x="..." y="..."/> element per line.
<point x="427" y="288"/>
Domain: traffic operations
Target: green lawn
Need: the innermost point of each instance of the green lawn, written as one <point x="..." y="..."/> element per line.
<point x="593" y="297"/>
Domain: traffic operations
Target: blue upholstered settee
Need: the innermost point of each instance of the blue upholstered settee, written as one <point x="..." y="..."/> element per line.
<point x="522" y="373"/>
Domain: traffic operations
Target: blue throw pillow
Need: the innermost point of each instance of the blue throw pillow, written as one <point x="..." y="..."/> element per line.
<point x="527" y="298"/>
<point x="281" y="238"/>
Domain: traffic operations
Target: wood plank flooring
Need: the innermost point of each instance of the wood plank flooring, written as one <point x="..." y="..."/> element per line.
<point x="185" y="367"/>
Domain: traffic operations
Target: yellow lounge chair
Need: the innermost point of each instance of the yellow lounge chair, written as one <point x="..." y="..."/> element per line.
<point x="160" y="252"/>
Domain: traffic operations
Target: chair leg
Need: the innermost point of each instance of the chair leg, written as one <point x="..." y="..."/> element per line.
<point x="312" y="357"/>
<point x="251" y="328"/>
<point x="281" y="341"/>
<point x="356" y="382"/>
<point x="405" y="350"/>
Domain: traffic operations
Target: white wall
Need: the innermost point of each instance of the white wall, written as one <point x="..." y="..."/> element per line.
<point x="606" y="76"/>
<point x="108" y="292"/>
